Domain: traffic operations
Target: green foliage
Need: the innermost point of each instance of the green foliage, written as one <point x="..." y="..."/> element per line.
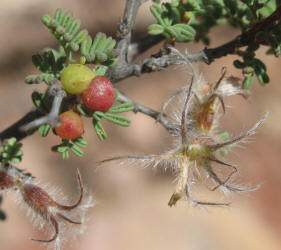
<point x="44" y="129"/>
<point x="65" y="28"/>
<point x="70" y="146"/>
<point x="51" y="63"/>
<point x="168" y="18"/>
<point x="100" y="71"/>
<point x="40" y="101"/>
<point x="110" y="116"/>
<point x="202" y="15"/>
<point x="251" y="66"/>
<point x="10" y="151"/>
<point x="100" y="50"/>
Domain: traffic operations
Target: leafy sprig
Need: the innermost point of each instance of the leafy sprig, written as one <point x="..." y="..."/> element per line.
<point x="65" y="28"/>
<point x="168" y="18"/>
<point x="10" y="151"/>
<point x="51" y="63"/>
<point x="68" y="146"/>
<point x="251" y="66"/>
<point x="111" y="116"/>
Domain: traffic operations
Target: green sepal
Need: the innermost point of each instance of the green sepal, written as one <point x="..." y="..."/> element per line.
<point x="124" y="107"/>
<point x="44" y="130"/>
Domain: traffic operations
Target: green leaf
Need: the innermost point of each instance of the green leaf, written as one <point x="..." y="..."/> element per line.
<point x="248" y="82"/>
<point x="100" y="71"/>
<point x="11" y="151"/>
<point x="65" y="155"/>
<point x="99" y="130"/>
<point x="58" y="15"/>
<point x="185" y="32"/>
<point x="238" y="64"/>
<point x="124" y="107"/>
<point x="117" y="119"/>
<point x="38" y="100"/>
<point x="80" y="142"/>
<point x="86" y="46"/>
<point x="156" y="12"/>
<point x="76" y="150"/>
<point x="155" y="29"/>
<point x="46" y="19"/>
<point x="79" y="38"/>
<point x="44" y="130"/>
<point x="263" y="78"/>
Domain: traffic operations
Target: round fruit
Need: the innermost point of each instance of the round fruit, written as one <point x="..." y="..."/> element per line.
<point x="76" y="77"/>
<point x="99" y="95"/>
<point x="71" y="126"/>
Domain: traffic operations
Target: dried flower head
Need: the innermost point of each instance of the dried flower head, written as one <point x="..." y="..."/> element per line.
<point x="197" y="142"/>
<point x="41" y="205"/>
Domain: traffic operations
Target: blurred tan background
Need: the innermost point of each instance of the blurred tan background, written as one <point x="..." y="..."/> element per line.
<point x="132" y="211"/>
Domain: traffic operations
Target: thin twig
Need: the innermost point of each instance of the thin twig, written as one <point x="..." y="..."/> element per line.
<point x="148" y="111"/>
<point x="51" y="118"/>
<point x="125" y="29"/>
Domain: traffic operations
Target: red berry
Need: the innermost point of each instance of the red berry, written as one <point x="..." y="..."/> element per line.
<point x="71" y="126"/>
<point x="99" y="95"/>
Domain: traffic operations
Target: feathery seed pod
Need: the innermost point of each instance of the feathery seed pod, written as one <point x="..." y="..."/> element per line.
<point x="195" y="114"/>
<point x="43" y="207"/>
